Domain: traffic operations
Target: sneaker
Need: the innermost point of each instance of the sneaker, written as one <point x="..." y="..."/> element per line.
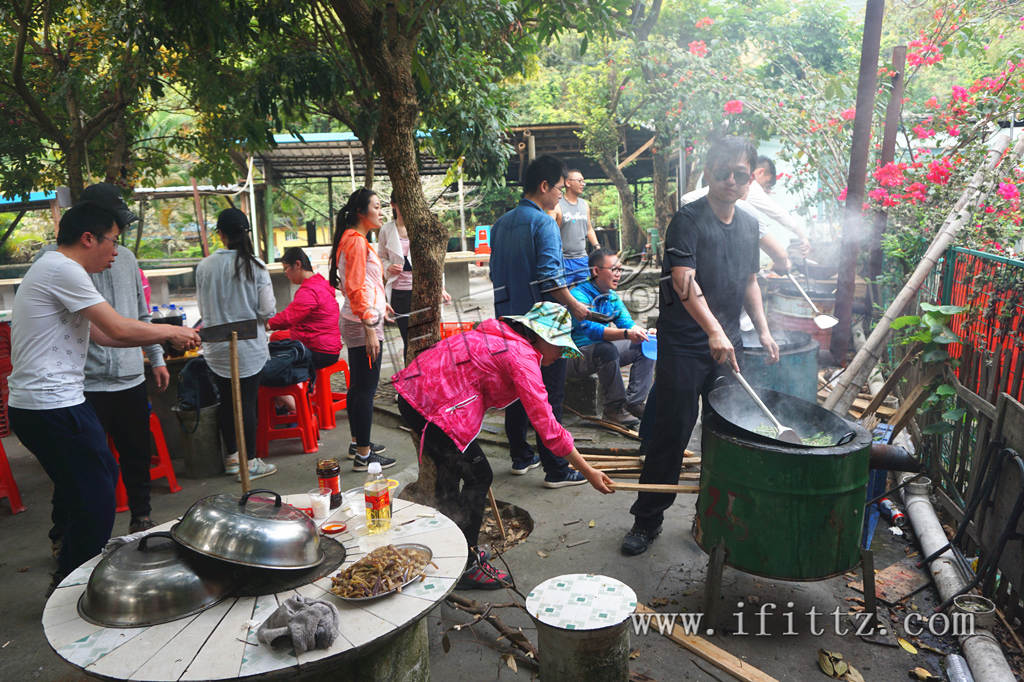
<point x="363" y="463"/>
<point x="231" y="463"/>
<point x="638" y="539"/>
<point x="483" y="576"/>
<point x="258" y="469"/>
<point x="375" y="448"/>
<point x="484" y="552"/>
<point x="617" y="414"/>
<point x="140" y="523"/>
<point x="521" y="468"/>
<point x="636" y="409"/>
<point x="561" y="480"/>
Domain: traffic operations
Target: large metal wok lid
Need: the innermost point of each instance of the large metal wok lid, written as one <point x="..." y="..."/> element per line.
<point x="149" y="581"/>
<point x="736" y="409"/>
<point x="251" y="531"/>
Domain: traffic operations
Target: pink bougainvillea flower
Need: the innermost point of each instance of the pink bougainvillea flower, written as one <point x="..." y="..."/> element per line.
<point x="734" y="106"/>
<point x="698" y="48"/>
<point x="923" y="133"/>
<point x="878" y="194"/>
<point x="842" y="195"/>
<point x="1008" y="191"/>
<point x="953" y="131"/>
<point x="959" y="94"/>
<point x="705" y="22"/>
<point x="890" y="175"/>
<point x="939" y="171"/>
<point x="916" y="191"/>
<point x="932" y="103"/>
<point x="848" y="114"/>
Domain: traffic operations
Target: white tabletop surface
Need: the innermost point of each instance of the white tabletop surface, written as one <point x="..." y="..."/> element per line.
<point x="220" y="643"/>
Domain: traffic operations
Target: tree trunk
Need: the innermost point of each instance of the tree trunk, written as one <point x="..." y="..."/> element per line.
<point x="663" y="208"/>
<point x="73" y="161"/>
<point x="632" y="238"/>
<point x="368" y="172"/>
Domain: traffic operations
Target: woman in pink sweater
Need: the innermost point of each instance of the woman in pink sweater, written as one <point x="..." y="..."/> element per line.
<point x="445" y="391"/>
<point x="312" y="316"/>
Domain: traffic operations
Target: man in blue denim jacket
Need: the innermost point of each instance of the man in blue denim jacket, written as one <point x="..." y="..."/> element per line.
<point x="608" y="346"/>
<point x="526" y="268"/>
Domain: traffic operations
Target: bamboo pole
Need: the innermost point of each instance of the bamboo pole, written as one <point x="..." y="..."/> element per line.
<point x="655" y="487"/>
<point x="236" y="402"/>
<point x="867" y="357"/>
<point x="497" y="516"/>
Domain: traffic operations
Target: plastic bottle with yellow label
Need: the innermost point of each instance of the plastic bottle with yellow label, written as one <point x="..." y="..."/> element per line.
<point x="378" y="500"/>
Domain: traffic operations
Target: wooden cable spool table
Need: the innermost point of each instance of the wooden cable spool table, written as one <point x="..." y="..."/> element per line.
<point x="220" y="643"/>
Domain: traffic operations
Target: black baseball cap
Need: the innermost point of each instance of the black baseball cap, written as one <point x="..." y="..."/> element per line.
<point x="109" y="197"/>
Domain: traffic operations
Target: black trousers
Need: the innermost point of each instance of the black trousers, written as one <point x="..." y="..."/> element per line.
<point x="516" y="421"/>
<point x="125" y="417"/>
<point x="470" y="468"/>
<point x="401" y="303"/>
<point x="249" y="389"/>
<point x="362" y="386"/>
<point x="70" y="444"/>
<point x="680" y="382"/>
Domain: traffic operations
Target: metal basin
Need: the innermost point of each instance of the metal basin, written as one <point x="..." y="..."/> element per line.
<point x="250" y="531"/>
<point x="150" y="581"/>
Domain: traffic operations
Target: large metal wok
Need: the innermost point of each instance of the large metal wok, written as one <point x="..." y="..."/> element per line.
<point x="730" y="402"/>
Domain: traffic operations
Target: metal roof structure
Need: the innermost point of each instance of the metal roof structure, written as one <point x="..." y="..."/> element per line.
<point x="324" y="155"/>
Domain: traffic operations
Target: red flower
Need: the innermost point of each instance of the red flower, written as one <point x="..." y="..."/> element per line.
<point x="842" y="195"/>
<point x="916" y="191"/>
<point x="890" y="175"/>
<point x="705" y="22"/>
<point x="939" y="171"/>
<point x="848" y="114"/>
<point x="959" y="94"/>
<point x="698" y="48"/>
<point x="932" y="103"/>
<point x="878" y="194"/>
<point x="953" y="131"/>
<point x="734" y="106"/>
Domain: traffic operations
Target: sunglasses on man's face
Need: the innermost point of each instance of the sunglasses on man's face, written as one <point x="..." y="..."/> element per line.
<point x="741" y="177"/>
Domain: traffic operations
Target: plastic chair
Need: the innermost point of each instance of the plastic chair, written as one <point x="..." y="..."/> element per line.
<point x="159" y="464"/>
<point x="327" y="401"/>
<point x="270" y="425"/>
<point x="8" y="488"/>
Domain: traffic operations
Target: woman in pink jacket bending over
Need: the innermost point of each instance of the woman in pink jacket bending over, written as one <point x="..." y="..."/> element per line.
<point x="444" y="393"/>
<point x="312" y="316"/>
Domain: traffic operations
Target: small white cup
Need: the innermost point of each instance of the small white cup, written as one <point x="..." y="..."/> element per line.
<point x="320" y="501"/>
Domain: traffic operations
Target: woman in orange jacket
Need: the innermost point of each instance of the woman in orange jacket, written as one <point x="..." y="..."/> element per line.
<point x="356" y="269"/>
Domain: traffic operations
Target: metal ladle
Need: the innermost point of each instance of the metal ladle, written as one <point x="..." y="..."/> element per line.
<point x="821" y="319"/>
<point x="786" y="434"/>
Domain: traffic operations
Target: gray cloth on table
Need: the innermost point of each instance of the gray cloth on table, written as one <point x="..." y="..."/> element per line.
<point x="311" y="624"/>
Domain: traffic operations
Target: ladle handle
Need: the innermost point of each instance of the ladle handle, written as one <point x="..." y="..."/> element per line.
<point x="757" y="399"/>
<point x="799" y="288"/>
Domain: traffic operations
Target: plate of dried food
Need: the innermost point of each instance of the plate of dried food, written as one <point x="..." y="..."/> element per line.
<point x="383" y="571"/>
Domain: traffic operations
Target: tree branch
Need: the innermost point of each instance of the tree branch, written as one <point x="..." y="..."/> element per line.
<point x="18" y="75"/>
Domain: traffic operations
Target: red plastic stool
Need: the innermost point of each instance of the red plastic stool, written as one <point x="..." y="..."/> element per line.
<point x="159" y="465"/>
<point x="326" y="401"/>
<point x="270" y="423"/>
<point x="8" y="488"/>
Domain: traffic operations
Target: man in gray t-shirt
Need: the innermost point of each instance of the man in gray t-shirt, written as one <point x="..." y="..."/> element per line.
<point x="573" y="218"/>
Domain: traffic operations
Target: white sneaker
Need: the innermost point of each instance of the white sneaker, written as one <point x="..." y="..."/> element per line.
<point x="258" y="468"/>
<point x="231" y="463"/>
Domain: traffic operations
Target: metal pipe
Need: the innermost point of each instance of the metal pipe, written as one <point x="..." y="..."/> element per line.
<point x="981" y="649"/>
<point x="893" y="458"/>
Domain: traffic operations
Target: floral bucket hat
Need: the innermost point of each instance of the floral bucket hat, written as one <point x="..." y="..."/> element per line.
<point x="552" y="323"/>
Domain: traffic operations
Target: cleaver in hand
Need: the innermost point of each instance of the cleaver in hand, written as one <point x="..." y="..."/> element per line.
<point x="246" y="329"/>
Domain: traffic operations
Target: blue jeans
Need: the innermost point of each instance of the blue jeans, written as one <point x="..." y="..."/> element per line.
<point x="516" y="422"/>
<point x="70" y="444"/>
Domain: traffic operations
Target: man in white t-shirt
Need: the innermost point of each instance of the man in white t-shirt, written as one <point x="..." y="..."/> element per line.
<point x="50" y="332"/>
<point x="577" y="228"/>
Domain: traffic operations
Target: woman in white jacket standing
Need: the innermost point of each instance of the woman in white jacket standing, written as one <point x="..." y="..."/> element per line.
<point x="394" y="254"/>
<point x="233" y="285"/>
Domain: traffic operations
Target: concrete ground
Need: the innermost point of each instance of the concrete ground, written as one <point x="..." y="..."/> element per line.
<point x="670" y="575"/>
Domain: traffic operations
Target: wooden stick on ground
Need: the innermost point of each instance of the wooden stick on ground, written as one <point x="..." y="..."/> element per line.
<point x="236" y="402"/>
<point x="715" y="655"/>
<point x="685" y="476"/>
<point x="655" y="487"/>
<point x="497" y="516"/>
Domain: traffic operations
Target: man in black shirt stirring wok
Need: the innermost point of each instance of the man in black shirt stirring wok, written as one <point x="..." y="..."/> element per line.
<point x="709" y="274"/>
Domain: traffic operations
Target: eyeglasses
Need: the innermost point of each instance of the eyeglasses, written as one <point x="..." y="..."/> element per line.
<point x="614" y="268"/>
<point x="722" y="174"/>
<point x="104" y="238"/>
